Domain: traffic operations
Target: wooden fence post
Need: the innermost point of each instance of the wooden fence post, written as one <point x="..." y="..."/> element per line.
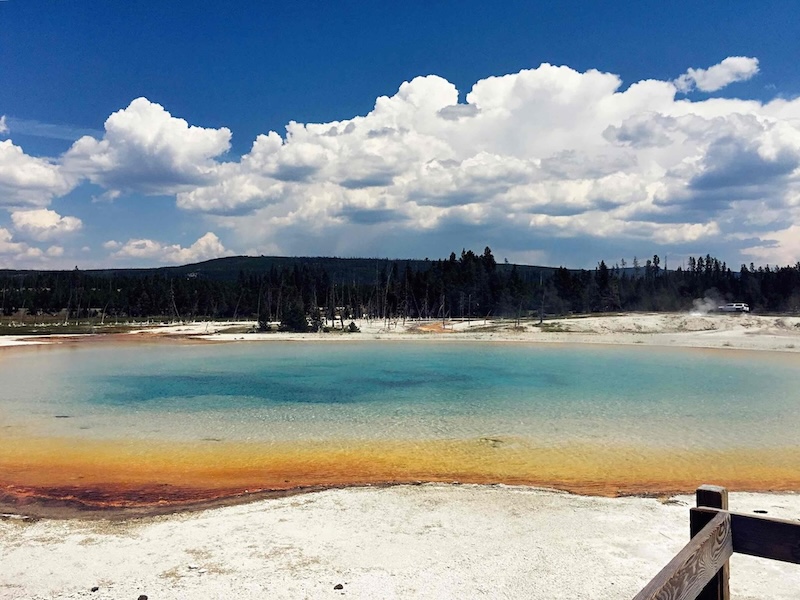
<point x="689" y="571"/>
<point x="711" y="496"/>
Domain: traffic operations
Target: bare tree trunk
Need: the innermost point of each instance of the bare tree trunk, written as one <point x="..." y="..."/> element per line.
<point x="236" y="309"/>
<point x="69" y="302"/>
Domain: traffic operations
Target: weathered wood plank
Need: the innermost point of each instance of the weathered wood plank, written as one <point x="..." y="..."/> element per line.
<point x="713" y="496"/>
<point x="692" y="568"/>
<point x="759" y="536"/>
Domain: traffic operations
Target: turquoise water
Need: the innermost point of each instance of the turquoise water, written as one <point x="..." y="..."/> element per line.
<point x="403" y="390"/>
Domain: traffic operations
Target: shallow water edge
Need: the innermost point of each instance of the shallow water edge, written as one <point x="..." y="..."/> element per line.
<point x="111" y="476"/>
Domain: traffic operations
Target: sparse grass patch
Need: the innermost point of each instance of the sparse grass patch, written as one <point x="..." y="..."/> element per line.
<point x="88" y="541"/>
<point x="237" y="329"/>
<point x="199" y="553"/>
<point x="486" y="328"/>
<point x="173" y="574"/>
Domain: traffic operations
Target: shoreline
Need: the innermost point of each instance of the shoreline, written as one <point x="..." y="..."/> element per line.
<point x="679" y="330"/>
<point x="429" y="541"/>
<point x="74" y="511"/>
<point x="65" y="479"/>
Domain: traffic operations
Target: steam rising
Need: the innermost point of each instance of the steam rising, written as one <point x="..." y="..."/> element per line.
<point x="705" y="305"/>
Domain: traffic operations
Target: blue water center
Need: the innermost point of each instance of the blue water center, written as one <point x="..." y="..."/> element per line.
<point x="278" y="391"/>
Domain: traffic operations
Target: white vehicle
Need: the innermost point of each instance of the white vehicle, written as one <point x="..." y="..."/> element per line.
<point x="738" y="307"/>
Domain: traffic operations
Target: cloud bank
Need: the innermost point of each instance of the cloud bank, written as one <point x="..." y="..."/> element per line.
<point x="44" y="224"/>
<point x="13" y="253"/>
<point x="532" y="163"/>
<point x="206" y="247"/>
<point x="146" y="149"/>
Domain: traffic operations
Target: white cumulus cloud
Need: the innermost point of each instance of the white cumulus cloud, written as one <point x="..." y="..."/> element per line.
<point x="730" y="70"/>
<point x="44" y="224"/>
<point x="3" y="126"/>
<point x="29" y="181"/>
<point x="206" y="247"/>
<point x="7" y="245"/>
<point x="16" y="255"/>
<point x="146" y="149"/>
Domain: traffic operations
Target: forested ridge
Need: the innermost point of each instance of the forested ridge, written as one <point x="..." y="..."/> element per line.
<point x="281" y="289"/>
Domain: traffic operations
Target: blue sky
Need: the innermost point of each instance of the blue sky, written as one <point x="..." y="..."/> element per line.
<point x="559" y="133"/>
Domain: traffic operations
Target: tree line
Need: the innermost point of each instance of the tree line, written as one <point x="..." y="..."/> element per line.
<point x="469" y="285"/>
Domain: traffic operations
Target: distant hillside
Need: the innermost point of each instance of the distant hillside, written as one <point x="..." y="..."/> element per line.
<point x="340" y="270"/>
<point x="270" y="288"/>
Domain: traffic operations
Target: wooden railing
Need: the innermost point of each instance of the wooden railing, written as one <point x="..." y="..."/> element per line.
<point x="700" y="571"/>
